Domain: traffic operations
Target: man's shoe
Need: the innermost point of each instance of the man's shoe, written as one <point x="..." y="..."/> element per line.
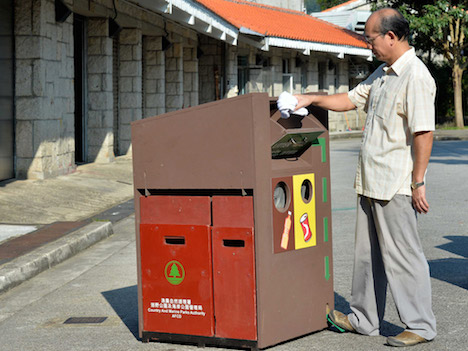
<point x="405" y="339"/>
<point x="340" y="321"/>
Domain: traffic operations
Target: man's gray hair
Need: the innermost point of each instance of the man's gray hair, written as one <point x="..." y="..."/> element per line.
<point x="395" y="22"/>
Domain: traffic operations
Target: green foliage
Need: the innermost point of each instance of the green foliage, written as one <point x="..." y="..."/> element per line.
<point x="439" y="27"/>
<point x="326" y="4"/>
<point x="311" y="6"/>
<point x="430" y="21"/>
<point x="444" y="99"/>
<point x="445" y="110"/>
<point x="436" y="23"/>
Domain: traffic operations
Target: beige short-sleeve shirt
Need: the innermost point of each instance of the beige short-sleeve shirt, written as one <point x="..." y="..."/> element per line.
<point x="399" y="101"/>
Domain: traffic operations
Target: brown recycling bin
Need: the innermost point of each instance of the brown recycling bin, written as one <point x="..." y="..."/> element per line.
<point x="233" y="224"/>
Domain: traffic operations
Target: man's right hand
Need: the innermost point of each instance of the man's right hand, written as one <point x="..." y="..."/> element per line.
<point x="336" y="102"/>
<point x="304" y="100"/>
<point x="419" y="200"/>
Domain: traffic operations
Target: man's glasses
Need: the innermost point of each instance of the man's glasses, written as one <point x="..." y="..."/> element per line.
<point x="370" y="40"/>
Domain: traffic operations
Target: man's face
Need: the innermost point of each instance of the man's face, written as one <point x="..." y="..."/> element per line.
<point x="376" y="41"/>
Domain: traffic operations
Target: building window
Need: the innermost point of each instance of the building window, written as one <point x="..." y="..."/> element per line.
<point x="287" y="77"/>
<point x="242" y="74"/>
<point x="303" y="78"/>
<point x="337" y="77"/>
<point x="322" y="74"/>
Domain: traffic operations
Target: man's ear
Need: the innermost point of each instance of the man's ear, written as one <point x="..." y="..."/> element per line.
<point x="392" y="36"/>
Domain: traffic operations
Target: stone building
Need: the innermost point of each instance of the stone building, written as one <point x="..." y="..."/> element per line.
<point x="351" y="15"/>
<point x="297" y="5"/>
<point x="76" y="73"/>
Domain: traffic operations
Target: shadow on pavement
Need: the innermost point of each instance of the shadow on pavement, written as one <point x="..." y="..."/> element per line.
<point x="124" y="301"/>
<point x="452" y="270"/>
<point x="450" y="152"/>
<point x="386" y="329"/>
<point x="458" y="245"/>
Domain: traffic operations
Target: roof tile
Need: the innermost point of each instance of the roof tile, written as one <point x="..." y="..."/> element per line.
<point x="283" y="23"/>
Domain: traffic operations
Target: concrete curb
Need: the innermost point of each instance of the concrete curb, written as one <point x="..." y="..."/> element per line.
<point x="439" y="135"/>
<point x="345" y="135"/>
<point x="449" y="138"/>
<point x="31" y="264"/>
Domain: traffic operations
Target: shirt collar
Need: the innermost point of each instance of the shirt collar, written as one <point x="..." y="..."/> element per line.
<point x="399" y="64"/>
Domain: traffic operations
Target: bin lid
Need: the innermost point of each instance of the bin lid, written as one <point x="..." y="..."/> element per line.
<point x="294" y="143"/>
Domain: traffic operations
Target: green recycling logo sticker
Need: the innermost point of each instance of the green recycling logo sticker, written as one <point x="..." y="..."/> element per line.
<point x="174" y="272"/>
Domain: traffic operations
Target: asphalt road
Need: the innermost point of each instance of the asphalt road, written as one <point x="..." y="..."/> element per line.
<point x="101" y="281"/>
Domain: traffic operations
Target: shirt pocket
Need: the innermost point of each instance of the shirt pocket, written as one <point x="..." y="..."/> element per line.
<point x="385" y="106"/>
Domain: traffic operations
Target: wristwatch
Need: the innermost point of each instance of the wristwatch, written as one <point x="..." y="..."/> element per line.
<point x="415" y="185"/>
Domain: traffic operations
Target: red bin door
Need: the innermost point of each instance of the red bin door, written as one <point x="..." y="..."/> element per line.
<point x="234" y="268"/>
<point x="176" y="268"/>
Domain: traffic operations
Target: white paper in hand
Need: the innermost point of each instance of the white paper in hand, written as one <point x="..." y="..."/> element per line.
<point x="287" y="104"/>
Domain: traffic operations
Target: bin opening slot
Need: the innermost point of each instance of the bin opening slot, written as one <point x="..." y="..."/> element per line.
<point x="294" y="143"/>
<point x="174" y="240"/>
<point x="233" y="243"/>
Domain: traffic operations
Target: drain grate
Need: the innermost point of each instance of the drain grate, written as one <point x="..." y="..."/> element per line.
<point x="85" y="320"/>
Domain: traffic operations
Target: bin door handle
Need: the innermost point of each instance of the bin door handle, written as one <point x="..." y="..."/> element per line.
<point x="174" y="240"/>
<point x="233" y="243"/>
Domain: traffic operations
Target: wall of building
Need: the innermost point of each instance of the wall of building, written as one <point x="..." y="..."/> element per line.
<point x="130" y="85"/>
<point x="154" y="76"/>
<point x="338" y="82"/>
<point x="44" y="91"/>
<point x="211" y="66"/>
<point x="190" y="69"/>
<point x="232" y="88"/>
<point x="274" y="72"/>
<point x="297" y="5"/>
<point x="150" y="81"/>
<point x="100" y="117"/>
<point x="133" y="76"/>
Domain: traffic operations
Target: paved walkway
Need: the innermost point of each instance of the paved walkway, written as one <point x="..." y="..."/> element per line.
<point x="43" y="222"/>
<point x="101" y="281"/>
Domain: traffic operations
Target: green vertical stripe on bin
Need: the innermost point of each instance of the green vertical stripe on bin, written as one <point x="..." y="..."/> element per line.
<point x="323" y="145"/>
<point x="324" y="189"/>
<point x="327" y="268"/>
<point x="325" y="229"/>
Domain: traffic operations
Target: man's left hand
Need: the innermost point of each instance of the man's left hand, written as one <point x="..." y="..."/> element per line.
<point x="419" y="200"/>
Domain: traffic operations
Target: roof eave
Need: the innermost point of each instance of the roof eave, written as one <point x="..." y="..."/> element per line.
<point x="307" y="46"/>
<point x="245" y="30"/>
<point x="193" y="15"/>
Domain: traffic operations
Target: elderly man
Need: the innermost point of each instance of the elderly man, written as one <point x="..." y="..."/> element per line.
<point x="395" y="150"/>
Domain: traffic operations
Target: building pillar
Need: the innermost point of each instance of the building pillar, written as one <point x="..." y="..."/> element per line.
<point x="100" y="97"/>
<point x="154" y="86"/>
<point x="277" y="72"/>
<point x="130" y="85"/>
<point x="232" y="88"/>
<point x="174" y="74"/>
<point x="312" y="75"/>
<point x="44" y="94"/>
<point x="190" y="76"/>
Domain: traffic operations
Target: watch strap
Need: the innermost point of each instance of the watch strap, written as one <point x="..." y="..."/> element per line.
<point x="415" y="185"/>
